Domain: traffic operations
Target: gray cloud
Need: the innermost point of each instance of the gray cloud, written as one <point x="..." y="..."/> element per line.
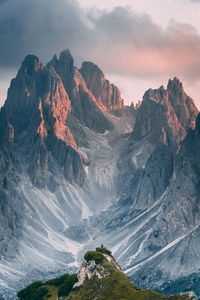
<point x="120" y="40"/>
<point x="40" y="27"/>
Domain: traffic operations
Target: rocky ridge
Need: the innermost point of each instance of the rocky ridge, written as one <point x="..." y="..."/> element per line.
<point x="99" y="277"/>
<point x="84" y="104"/>
<point x="108" y="96"/>
<point x="72" y="174"/>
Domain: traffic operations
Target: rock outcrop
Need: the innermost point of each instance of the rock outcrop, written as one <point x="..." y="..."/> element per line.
<point x="96" y="280"/>
<point x="107" y="95"/>
<point x="37" y="108"/>
<point x="84" y="104"/>
<point x="166" y="115"/>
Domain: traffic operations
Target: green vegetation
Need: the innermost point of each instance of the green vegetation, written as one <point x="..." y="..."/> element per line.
<point x="34" y="291"/>
<point x="104" y="250"/>
<point x="113" y="285"/>
<point x="66" y="288"/>
<point x="58" y="281"/>
<point x="94" y="255"/>
<point x="53" y="291"/>
<point x="49" y="290"/>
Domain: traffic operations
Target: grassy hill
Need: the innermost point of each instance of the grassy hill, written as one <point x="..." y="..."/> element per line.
<point x="99" y="278"/>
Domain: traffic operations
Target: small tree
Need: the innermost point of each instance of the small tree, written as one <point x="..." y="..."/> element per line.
<point x="94" y="255"/>
<point x="67" y="286"/>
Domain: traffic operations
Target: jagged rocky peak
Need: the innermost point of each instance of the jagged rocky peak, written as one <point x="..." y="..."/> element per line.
<point x="108" y="96"/>
<point x="159" y="95"/>
<point x="84" y="104"/>
<point x="183" y="105"/>
<point x="37" y="92"/>
<point x="165" y="114"/>
<point x="24" y="84"/>
<point x="65" y="61"/>
<point x="38" y="107"/>
<point x="31" y="64"/>
<point x="89" y="69"/>
<point x="175" y="84"/>
<point x="64" y="66"/>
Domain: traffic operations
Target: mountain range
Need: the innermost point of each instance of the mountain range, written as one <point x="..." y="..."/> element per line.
<point x="78" y="168"/>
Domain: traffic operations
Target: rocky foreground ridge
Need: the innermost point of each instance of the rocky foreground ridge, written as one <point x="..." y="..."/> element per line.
<point x="99" y="277"/>
<point x="78" y="168"/>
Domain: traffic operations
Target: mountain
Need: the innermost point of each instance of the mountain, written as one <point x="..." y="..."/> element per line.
<point x="99" y="277"/>
<point x="166" y="115"/>
<point x="108" y="96"/>
<point x="78" y="168"/>
<point x="84" y="104"/>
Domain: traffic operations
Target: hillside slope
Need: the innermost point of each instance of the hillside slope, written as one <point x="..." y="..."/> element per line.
<point x="99" y="277"/>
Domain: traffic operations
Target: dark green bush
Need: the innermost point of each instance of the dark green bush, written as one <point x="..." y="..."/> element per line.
<point x="94" y="255"/>
<point x="104" y="250"/>
<point x="34" y="291"/>
<point x="67" y="286"/>
<point x="58" y="280"/>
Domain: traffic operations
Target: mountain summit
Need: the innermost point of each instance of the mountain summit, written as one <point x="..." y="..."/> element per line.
<point x="108" y="96"/>
<point x="78" y="168"/>
<point x="166" y="115"/>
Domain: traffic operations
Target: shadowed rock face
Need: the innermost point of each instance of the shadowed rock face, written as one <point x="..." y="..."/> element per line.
<point x="37" y="107"/>
<point x="166" y="115"/>
<point x="108" y="96"/>
<point x="83" y="103"/>
<point x="189" y="160"/>
<point x="64" y="66"/>
<point x="183" y="105"/>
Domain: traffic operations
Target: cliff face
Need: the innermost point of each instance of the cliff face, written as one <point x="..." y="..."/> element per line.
<point x="38" y="107"/>
<point x="166" y="115"/>
<point x="74" y="174"/>
<point x="42" y="129"/>
<point x="108" y="96"/>
<point x="84" y="104"/>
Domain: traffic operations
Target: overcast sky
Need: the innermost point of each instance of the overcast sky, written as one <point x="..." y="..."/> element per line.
<point x="137" y="43"/>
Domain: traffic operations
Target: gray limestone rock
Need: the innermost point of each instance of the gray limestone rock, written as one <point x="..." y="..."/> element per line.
<point x="83" y="103"/>
<point x="108" y="96"/>
<point x="69" y="183"/>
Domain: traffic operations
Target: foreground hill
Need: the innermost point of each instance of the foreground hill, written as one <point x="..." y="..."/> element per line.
<point x="99" y="277"/>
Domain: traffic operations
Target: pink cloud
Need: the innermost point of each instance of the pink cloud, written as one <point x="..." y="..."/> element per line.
<point x="146" y="49"/>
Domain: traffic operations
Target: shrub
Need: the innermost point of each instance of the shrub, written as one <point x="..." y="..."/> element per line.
<point x="94" y="255"/>
<point x="67" y="286"/>
<point x="57" y="281"/>
<point x="104" y="250"/>
<point x="34" y="291"/>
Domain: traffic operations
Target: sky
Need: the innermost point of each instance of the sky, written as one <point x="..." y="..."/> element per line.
<point x="139" y="44"/>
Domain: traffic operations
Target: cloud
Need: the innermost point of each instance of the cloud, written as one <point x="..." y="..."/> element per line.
<point x="120" y="41"/>
<point x="133" y="44"/>
<point x="39" y="27"/>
